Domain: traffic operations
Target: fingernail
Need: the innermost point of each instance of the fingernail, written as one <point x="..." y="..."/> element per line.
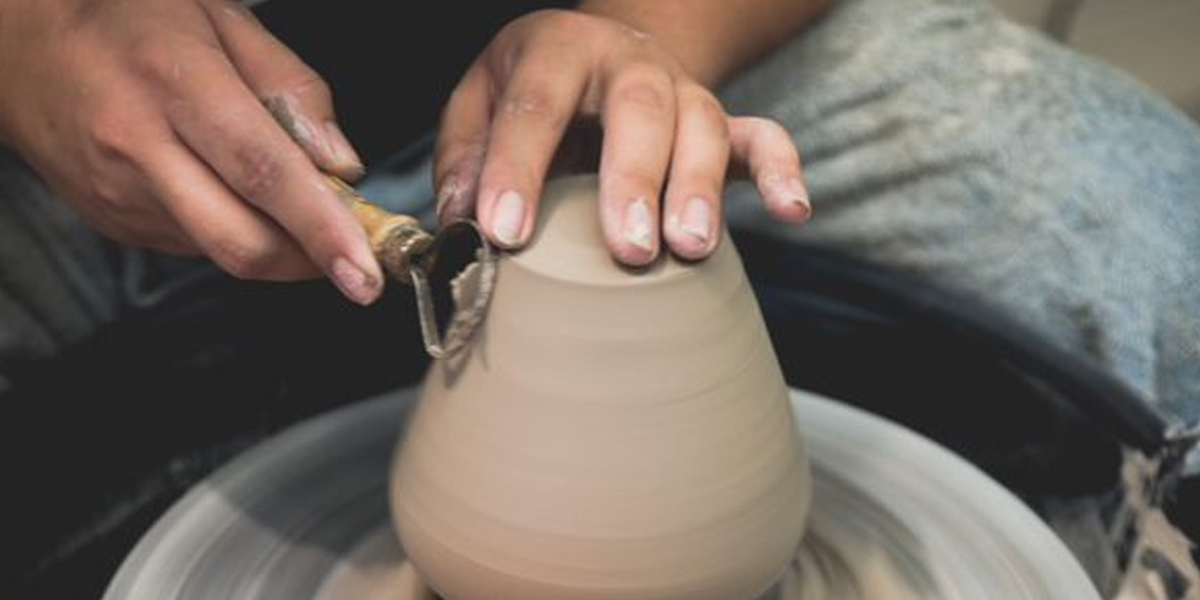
<point x="787" y="190"/>
<point x="638" y="225"/>
<point x="508" y="218"/>
<point x="794" y="192"/>
<point x="696" y="219"/>
<point x="354" y="282"/>
<point x="342" y="153"/>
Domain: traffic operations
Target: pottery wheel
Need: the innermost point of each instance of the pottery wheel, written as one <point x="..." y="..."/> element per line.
<point x="304" y="516"/>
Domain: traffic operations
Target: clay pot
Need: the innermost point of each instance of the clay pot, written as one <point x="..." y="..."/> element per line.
<point x="610" y="434"/>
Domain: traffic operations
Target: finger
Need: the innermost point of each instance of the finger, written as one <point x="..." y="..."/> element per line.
<point x="530" y="116"/>
<point x="462" y="141"/>
<point x="291" y="90"/>
<point x="638" y="117"/>
<point x="120" y="203"/>
<point x="134" y="213"/>
<point x="114" y="197"/>
<point x="233" y="234"/>
<point x="223" y="123"/>
<point x="693" y="196"/>
<point x="175" y="243"/>
<point x="765" y="150"/>
<point x="155" y="229"/>
<point x="164" y="237"/>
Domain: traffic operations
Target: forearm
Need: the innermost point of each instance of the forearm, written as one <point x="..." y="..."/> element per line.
<point x="713" y="38"/>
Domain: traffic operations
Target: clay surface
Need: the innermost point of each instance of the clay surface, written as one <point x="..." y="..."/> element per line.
<point x="609" y="434"/>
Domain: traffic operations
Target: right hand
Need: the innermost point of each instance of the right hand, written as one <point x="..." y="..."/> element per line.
<point x="148" y="118"/>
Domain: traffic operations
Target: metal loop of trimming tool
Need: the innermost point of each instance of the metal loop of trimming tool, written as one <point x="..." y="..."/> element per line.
<point x="466" y="319"/>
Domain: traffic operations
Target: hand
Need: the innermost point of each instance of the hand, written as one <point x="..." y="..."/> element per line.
<point x="549" y="74"/>
<point x="148" y="117"/>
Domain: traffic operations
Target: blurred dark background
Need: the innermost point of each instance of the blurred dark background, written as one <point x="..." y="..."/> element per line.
<point x="390" y="69"/>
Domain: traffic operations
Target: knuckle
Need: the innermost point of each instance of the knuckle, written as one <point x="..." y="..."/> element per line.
<point x="151" y="58"/>
<point x="249" y="257"/>
<point x="113" y="134"/>
<point x="645" y="88"/>
<point x="164" y="60"/>
<point x="704" y="102"/>
<point x="115" y="191"/>
<point x="259" y="175"/>
<point x="309" y="85"/>
<point x="532" y="105"/>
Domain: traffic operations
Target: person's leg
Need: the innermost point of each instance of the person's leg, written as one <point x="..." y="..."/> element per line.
<point x="945" y="142"/>
<point x="60" y="281"/>
<point x="942" y="140"/>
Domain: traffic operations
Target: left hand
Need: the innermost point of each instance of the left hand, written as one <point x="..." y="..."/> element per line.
<point x="667" y="143"/>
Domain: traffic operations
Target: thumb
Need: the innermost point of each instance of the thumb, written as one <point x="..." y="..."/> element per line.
<point x="293" y="92"/>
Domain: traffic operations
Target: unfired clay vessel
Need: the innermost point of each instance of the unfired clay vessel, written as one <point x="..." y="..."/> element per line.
<point x="609" y="434"/>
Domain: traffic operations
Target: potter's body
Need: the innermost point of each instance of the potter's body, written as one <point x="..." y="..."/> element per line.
<point x="609" y="435"/>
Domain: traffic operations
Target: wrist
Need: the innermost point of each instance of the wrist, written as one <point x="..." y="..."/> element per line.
<point x="679" y="34"/>
<point x="712" y="39"/>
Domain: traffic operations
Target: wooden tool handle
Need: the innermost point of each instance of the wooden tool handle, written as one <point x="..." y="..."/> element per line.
<point x="406" y="251"/>
<point x="397" y="240"/>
